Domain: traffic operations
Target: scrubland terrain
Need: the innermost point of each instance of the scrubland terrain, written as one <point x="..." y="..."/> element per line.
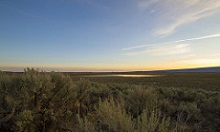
<point x="42" y="101"/>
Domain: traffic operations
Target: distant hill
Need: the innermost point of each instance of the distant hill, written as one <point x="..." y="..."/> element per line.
<point x="205" y="69"/>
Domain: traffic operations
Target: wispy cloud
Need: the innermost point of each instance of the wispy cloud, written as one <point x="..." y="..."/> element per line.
<point x="171" y="49"/>
<point x="177" y="41"/>
<point x="176" y="13"/>
<point x="161" y="50"/>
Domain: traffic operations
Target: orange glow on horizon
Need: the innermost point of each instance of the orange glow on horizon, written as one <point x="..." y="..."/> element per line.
<point x="107" y="68"/>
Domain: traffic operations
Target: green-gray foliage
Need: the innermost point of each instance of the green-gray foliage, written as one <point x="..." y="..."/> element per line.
<point x="41" y="101"/>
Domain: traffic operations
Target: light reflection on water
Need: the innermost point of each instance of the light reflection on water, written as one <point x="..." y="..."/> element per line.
<point x="122" y="75"/>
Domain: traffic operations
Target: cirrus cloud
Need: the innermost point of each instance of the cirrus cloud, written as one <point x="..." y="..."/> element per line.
<point x="161" y="50"/>
<point x="176" y="13"/>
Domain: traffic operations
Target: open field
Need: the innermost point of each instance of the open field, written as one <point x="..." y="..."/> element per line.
<point x="203" y="80"/>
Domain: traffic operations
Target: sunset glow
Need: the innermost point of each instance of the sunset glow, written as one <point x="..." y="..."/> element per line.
<point x="94" y="35"/>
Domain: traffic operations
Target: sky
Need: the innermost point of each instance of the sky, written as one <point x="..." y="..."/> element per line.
<point x="109" y="35"/>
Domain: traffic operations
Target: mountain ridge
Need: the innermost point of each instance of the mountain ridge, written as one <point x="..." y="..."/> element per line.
<point x="202" y="69"/>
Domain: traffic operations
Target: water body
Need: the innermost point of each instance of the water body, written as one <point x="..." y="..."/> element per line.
<point x="121" y="75"/>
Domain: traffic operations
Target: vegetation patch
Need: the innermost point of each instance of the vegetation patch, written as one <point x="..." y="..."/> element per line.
<point x="41" y="101"/>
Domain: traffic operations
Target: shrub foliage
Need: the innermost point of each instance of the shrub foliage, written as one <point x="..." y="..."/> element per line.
<point x="40" y="101"/>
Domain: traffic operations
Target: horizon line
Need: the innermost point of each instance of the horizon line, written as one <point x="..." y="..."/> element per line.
<point x="108" y="71"/>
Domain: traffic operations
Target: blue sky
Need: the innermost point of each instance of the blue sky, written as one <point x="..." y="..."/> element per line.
<point x="109" y="35"/>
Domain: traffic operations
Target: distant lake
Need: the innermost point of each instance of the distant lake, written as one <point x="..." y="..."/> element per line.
<point x="121" y="75"/>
